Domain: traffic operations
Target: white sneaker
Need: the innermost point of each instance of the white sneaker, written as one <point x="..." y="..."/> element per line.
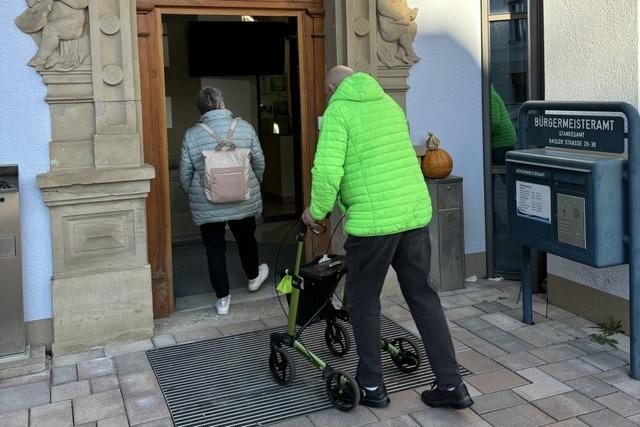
<point x="222" y="305"/>
<point x="263" y="273"/>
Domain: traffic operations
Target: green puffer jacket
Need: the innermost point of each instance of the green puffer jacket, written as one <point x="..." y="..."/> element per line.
<point x="365" y="161"/>
<point x="503" y="134"/>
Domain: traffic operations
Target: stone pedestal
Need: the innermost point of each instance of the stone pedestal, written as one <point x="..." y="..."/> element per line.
<point x="394" y="82"/>
<point x="101" y="285"/>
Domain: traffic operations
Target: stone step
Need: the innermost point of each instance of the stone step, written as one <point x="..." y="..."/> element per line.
<point x="32" y="361"/>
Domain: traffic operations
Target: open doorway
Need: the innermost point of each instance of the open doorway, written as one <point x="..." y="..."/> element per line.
<point x="307" y="57"/>
<point x="254" y="61"/>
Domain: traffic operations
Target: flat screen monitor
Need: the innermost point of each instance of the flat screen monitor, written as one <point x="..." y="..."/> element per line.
<point x="236" y="48"/>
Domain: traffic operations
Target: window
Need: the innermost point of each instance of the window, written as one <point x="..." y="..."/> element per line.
<point x="497" y="7"/>
<point x="512" y="75"/>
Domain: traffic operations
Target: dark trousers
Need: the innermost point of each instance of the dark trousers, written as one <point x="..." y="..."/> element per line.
<point x="213" y="238"/>
<point x="409" y="253"/>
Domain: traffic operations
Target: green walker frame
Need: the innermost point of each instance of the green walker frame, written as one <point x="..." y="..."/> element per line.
<point x="342" y="389"/>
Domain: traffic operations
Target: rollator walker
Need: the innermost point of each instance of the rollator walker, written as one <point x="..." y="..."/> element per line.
<point x="310" y="301"/>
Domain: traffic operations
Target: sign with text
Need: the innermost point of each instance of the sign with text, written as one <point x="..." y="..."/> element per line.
<point x="590" y="133"/>
<point x="533" y="201"/>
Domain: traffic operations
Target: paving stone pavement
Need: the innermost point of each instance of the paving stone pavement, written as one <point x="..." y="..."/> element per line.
<point x="548" y="374"/>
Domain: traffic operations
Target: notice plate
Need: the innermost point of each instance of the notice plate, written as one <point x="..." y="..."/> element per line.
<point x="533" y="201"/>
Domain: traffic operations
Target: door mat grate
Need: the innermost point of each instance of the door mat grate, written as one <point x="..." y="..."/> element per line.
<point x="226" y="381"/>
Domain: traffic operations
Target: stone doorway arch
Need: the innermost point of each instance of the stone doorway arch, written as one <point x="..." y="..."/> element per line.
<point x="99" y="180"/>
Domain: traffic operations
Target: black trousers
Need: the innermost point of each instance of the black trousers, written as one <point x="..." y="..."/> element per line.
<point x="409" y="253"/>
<point x="213" y="238"/>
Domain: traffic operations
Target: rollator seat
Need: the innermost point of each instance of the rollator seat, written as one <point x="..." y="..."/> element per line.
<point x="320" y="282"/>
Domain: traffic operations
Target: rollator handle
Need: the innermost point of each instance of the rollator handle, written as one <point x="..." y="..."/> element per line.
<point x="320" y="229"/>
<point x="302" y="232"/>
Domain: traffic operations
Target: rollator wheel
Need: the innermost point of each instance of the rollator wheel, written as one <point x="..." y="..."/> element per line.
<point x="343" y="391"/>
<point x="337" y="339"/>
<point x="281" y="366"/>
<point x="408" y="358"/>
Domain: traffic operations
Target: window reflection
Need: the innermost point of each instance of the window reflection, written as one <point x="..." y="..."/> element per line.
<point x="509" y="68"/>
<point x="509" y="81"/>
<point x="507" y="6"/>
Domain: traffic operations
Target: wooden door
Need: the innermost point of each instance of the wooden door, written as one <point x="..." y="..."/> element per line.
<point x="310" y="21"/>
<point x="156" y="154"/>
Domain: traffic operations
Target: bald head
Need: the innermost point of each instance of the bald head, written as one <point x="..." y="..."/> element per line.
<point x="335" y="76"/>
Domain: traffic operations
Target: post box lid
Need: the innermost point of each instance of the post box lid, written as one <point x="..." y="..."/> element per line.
<point x="560" y="159"/>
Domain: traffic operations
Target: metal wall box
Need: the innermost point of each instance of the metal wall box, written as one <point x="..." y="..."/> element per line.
<point x="447" y="233"/>
<point x="11" y="312"/>
<point x="568" y="204"/>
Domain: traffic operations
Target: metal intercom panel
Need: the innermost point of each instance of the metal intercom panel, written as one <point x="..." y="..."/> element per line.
<point x="571" y="220"/>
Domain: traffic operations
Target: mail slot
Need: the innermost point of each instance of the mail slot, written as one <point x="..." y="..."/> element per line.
<point x="568" y="204"/>
<point x="11" y="313"/>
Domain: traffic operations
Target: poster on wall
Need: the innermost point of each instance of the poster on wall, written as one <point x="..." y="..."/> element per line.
<point x="274" y="104"/>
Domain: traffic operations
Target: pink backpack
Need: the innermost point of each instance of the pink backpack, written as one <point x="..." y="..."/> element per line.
<point x="227" y="169"/>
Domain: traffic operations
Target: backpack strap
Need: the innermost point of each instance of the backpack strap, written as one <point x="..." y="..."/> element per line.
<point x="222" y="143"/>
<point x="211" y="132"/>
<point x="232" y="128"/>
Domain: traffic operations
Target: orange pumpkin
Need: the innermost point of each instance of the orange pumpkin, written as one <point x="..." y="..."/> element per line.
<point x="437" y="163"/>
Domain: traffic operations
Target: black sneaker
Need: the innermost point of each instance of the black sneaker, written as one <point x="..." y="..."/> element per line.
<point x="457" y="398"/>
<point x="374" y="399"/>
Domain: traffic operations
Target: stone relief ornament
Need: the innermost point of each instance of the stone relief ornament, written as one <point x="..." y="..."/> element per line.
<point x="396" y="30"/>
<point x="60" y="28"/>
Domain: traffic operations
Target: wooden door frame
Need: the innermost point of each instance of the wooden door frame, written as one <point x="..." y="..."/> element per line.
<point x="309" y="16"/>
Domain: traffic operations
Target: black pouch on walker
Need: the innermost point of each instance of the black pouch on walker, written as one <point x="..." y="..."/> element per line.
<point x="320" y="280"/>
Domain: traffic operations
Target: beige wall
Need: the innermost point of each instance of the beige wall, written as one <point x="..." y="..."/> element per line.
<point x="591" y="53"/>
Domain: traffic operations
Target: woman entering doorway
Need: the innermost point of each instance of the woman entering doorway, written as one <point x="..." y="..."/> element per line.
<point x="265" y="93"/>
<point x="212" y="218"/>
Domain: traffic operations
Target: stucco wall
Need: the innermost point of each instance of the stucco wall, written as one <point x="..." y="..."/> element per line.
<point x="591" y="53"/>
<point x="24" y="140"/>
<point x="446" y="97"/>
<point x="591" y="50"/>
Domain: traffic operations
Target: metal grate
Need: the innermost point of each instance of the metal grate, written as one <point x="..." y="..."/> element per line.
<point x="7" y="185"/>
<point x="226" y="381"/>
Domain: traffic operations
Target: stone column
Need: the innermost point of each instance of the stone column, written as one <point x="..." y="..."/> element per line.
<point x="97" y="185"/>
<point x="396" y="31"/>
<point x="351" y="34"/>
<point x="394" y="82"/>
<point x="374" y="36"/>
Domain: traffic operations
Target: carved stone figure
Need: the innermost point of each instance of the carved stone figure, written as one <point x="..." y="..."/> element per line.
<point x="58" y="27"/>
<point x="397" y="30"/>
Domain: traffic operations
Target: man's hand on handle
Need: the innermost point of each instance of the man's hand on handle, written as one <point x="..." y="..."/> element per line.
<point x="309" y="221"/>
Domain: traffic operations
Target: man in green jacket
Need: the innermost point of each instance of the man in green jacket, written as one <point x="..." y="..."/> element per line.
<point x="365" y="161"/>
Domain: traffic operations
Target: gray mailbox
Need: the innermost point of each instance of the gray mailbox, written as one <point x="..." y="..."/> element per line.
<point x="569" y="204"/>
<point x="11" y="316"/>
<point x="577" y="203"/>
